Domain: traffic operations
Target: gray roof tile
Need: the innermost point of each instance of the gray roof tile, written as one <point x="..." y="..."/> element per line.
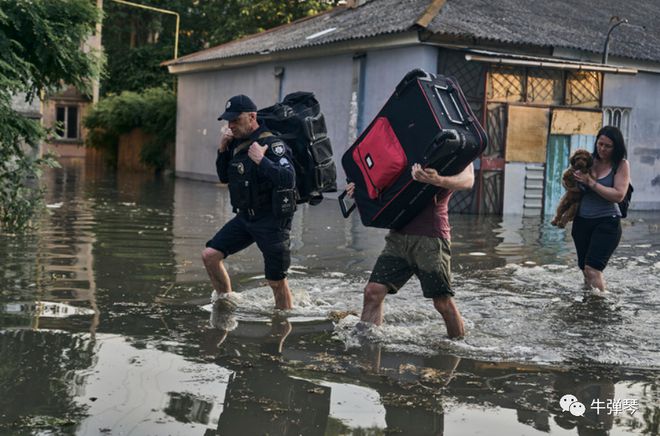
<point x="574" y="24"/>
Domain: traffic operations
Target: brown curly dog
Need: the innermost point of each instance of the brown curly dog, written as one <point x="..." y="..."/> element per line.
<point x="581" y="161"/>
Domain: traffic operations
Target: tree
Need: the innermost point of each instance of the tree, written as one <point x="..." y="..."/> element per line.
<point x="136" y="41"/>
<point x="237" y="18"/>
<point x="153" y="111"/>
<point x="40" y="45"/>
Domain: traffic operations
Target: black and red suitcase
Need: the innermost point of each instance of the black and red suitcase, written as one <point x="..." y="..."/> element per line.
<point x="427" y="120"/>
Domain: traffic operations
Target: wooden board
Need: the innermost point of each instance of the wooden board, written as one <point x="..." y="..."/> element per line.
<point x="526" y="134"/>
<point x="572" y="122"/>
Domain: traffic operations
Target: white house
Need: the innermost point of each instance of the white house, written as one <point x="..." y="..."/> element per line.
<point x="532" y="70"/>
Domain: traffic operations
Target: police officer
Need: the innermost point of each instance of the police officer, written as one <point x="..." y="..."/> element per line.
<point x="258" y="167"/>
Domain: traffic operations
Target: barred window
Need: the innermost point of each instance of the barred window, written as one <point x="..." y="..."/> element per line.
<point x="544" y="86"/>
<point x="583" y="88"/>
<point x="506" y="84"/>
<point x="617" y="117"/>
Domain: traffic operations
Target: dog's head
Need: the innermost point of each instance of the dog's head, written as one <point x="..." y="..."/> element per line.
<point x="581" y="160"/>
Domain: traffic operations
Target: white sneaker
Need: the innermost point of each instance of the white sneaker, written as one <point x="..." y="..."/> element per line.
<point x="225" y="300"/>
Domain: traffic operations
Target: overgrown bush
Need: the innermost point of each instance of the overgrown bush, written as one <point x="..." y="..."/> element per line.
<point x="40" y="43"/>
<point x="153" y="111"/>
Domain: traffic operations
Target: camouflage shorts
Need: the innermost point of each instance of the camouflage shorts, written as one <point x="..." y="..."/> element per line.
<point x="426" y="257"/>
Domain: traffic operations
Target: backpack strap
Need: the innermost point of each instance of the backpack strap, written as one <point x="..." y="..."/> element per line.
<point x="245" y="144"/>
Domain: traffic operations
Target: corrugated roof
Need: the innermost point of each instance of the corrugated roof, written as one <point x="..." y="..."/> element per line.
<point x="376" y="17"/>
<point x="573" y="24"/>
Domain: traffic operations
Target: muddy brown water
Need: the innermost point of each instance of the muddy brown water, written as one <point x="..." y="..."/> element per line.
<point x="104" y="329"/>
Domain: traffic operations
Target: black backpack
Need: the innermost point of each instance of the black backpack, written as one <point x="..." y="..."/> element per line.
<point x="298" y="121"/>
<point x="625" y="203"/>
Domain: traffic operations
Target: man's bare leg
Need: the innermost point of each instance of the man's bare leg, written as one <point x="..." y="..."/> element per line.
<point x="372" y="308"/>
<point x="213" y="262"/>
<point x="282" y="294"/>
<point x="453" y="320"/>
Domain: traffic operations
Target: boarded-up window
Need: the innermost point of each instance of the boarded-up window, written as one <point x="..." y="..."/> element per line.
<point x="526" y="134"/>
<point x="583" y="88"/>
<point x="545" y="86"/>
<point x="506" y="84"/>
<point x="575" y="122"/>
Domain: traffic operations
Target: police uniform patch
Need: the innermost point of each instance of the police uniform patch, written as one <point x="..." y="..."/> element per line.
<point x="278" y="149"/>
<point x="284" y="162"/>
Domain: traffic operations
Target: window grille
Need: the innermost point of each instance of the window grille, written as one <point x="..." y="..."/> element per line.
<point x="544" y="86"/>
<point x="506" y="84"/>
<point x="583" y="88"/>
<point x="618" y="117"/>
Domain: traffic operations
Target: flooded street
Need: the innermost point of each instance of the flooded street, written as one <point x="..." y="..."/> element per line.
<point x="105" y="328"/>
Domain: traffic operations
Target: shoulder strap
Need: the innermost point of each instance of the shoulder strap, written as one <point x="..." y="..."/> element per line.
<point x="243" y="145"/>
<point x="265" y="134"/>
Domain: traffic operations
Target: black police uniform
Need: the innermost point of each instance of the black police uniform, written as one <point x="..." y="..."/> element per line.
<point x="263" y="197"/>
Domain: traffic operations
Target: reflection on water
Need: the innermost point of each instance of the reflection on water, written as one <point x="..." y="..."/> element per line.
<point x="102" y="327"/>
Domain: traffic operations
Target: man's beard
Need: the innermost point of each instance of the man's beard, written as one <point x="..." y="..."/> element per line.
<point x="242" y="133"/>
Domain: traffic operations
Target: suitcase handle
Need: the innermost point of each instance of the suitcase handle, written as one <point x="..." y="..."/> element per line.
<point x="346" y="210"/>
<point x="442" y="136"/>
<point x="445" y="137"/>
<point x="409" y="78"/>
<point x="450" y="91"/>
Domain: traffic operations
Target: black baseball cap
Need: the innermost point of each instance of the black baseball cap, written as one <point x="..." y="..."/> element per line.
<point x="236" y="106"/>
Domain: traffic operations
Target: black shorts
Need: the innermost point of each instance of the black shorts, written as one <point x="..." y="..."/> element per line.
<point x="595" y="240"/>
<point x="271" y="235"/>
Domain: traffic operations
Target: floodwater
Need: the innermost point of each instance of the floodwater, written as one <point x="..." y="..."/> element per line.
<point x="104" y="329"/>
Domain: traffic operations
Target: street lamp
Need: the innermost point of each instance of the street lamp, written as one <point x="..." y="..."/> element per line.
<point x="615" y="22"/>
<point x="163" y="11"/>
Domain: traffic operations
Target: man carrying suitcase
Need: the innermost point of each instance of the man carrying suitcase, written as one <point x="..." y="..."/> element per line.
<point x="422" y="248"/>
<point x="258" y="167"/>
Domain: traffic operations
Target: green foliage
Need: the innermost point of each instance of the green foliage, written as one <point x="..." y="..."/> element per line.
<point x="136" y="41"/>
<point x="237" y="18"/>
<point x="133" y="69"/>
<point x="153" y="111"/>
<point x="40" y="43"/>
